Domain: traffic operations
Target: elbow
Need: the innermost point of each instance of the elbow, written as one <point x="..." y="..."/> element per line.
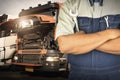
<point x="63" y="46"/>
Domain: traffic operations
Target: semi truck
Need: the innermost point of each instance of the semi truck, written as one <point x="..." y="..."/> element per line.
<point x="36" y="49"/>
<point x="7" y="42"/>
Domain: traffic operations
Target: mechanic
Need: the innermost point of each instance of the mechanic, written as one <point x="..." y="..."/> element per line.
<point x="88" y="32"/>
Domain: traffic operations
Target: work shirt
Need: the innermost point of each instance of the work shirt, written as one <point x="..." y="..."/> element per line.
<point x="90" y="19"/>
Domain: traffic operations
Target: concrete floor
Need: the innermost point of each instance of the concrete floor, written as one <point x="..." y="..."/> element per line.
<point x="21" y="75"/>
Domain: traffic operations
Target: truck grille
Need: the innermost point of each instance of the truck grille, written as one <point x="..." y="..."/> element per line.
<point x="31" y="58"/>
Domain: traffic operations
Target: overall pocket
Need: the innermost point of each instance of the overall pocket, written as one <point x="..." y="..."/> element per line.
<point x="84" y="24"/>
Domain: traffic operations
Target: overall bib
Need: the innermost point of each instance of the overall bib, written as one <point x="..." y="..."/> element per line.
<point x="95" y="65"/>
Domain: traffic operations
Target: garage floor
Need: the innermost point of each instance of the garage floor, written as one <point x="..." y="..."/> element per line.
<point x="20" y="75"/>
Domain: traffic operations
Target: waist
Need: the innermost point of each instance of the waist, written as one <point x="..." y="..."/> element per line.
<point x="94" y="59"/>
<point x="104" y="70"/>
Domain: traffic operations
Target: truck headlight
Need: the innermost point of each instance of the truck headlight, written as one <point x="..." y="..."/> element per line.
<point x="26" y="23"/>
<point x="15" y="58"/>
<point x="51" y="59"/>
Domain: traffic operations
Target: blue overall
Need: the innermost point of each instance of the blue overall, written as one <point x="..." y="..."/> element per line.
<point x="95" y="65"/>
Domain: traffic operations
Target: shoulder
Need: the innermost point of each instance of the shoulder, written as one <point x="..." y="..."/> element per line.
<point x="71" y="3"/>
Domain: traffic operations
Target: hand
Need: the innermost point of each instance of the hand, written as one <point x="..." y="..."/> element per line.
<point x="113" y="33"/>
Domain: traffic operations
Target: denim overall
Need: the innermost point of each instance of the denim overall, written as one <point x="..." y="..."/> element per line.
<point x="95" y="65"/>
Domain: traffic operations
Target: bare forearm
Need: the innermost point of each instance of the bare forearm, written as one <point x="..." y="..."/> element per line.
<point x="111" y="46"/>
<point x="81" y="43"/>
